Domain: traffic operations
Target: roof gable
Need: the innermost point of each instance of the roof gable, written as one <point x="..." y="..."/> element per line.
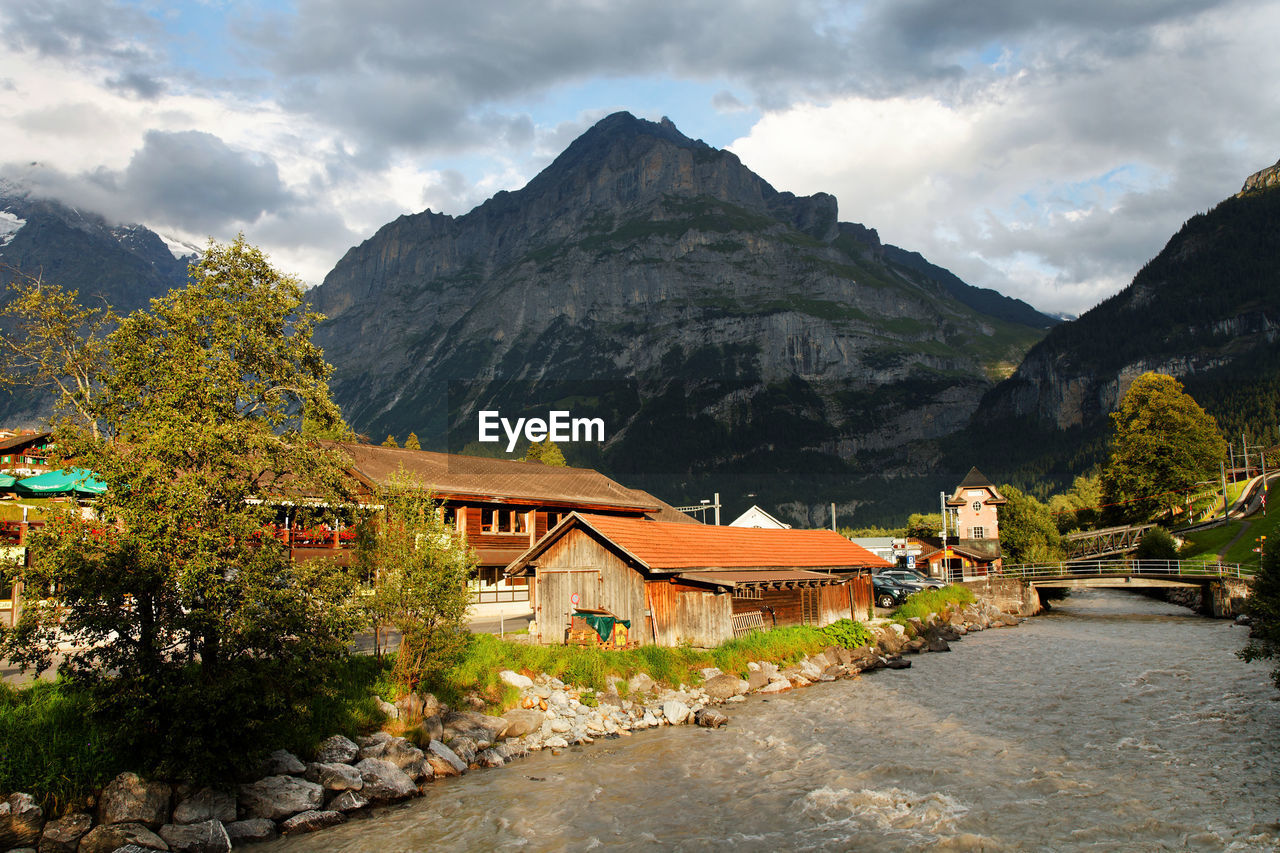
<point x="672" y="547"/>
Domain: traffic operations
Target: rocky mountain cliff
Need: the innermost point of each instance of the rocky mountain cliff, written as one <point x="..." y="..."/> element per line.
<point x="1206" y="309"/>
<point x="645" y="277"/>
<point x="123" y="266"/>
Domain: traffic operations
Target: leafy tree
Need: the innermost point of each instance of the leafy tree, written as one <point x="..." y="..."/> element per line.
<point x="411" y="443"/>
<point x="1028" y="531"/>
<point x="199" y="640"/>
<point x="421" y="569"/>
<point x="390" y="441"/>
<point x="1080" y="507"/>
<point x="1263" y="605"/>
<point x="1157" y="544"/>
<point x="923" y="525"/>
<point x="546" y="452"/>
<point x="56" y="345"/>
<point x="1163" y="446"/>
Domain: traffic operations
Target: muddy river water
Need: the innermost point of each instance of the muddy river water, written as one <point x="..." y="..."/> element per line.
<point x="1113" y="723"/>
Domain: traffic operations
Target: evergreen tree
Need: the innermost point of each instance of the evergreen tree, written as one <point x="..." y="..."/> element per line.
<point x="411" y="443"/>
<point x="390" y="441"/>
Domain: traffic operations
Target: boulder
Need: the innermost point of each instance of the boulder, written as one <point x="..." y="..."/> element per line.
<point x="640" y="683"/>
<point x="897" y="663"/>
<point x="418" y="706"/>
<point x="20" y="821"/>
<point x="481" y="728"/>
<point x="756" y="679"/>
<point x="335" y="776"/>
<point x="403" y="754"/>
<point x="431" y="728"/>
<point x="916" y="646"/>
<point x="709" y="672"/>
<point x="515" y="679"/>
<point x="775" y="687"/>
<point x="251" y="831"/>
<point x="724" y="686"/>
<point x="384" y="782"/>
<point x="63" y="835"/>
<point x="206" y="837"/>
<point x="491" y="757"/>
<point x="206" y="804"/>
<point x="675" y="711"/>
<point x="129" y="798"/>
<point x="522" y="722"/>
<point x="282" y="762"/>
<point x="465" y="748"/>
<point x="311" y="821"/>
<point x="710" y="718"/>
<point x="937" y="644"/>
<point x="105" y="838"/>
<point x="438" y="752"/>
<point x="349" y="801"/>
<point x="277" y="797"/>
<point x="337" y="750"/>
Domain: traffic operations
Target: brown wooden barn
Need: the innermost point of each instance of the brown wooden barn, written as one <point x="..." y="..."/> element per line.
<point x="695" y="584"/>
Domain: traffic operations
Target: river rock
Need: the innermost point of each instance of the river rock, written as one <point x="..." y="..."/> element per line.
<point x="675" y="711"/>
<point x="311" y="821"/>
<point x="63" y="835"/>
<point x="710" y="718"/>
<point x="384" y="782"/>
<point x="775" y="687"/>
<point x="282" y="762"/>
<point x="937" y="644"/>
<point x="251" y="831"/>
<point x="106" y="838"/>
<point x="452" y="764"/>
<point x="465" y="748"/>
<point x="349" y="801"/>
<point x="129" y="798"/>
<point x="337" y="750"/>
<point x="515" y="679"/>
<point x="723" y="686"/>
<point x="916" y="646"/>
<point x="277" y="797"/>
<point x="206" y="804"/>
<point x="555" y="742"/>
<point x="334" y="776"/>
<point x="391" y="712"/>
<point x="20" y="821"/>
<point x="522" y="722"/>
<point x="796" y="676"/>
<point x="491" y="757"/>
<point x="206" y="837"/>
<point x="897" y="663"/>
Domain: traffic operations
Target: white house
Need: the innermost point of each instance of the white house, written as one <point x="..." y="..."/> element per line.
<point x="756" y="517"/>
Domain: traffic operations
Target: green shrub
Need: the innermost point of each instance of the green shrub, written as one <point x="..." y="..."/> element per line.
<point x="848" y="633"/>
<point x="940" y="601"/>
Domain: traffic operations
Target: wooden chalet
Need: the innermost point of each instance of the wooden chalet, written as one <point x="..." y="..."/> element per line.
<point x="502" y="507"/>
<point x="697" y="584"/>
<point x="25" y="454"/>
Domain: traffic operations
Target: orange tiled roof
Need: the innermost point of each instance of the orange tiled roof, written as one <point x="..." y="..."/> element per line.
<point x="666" y="545"/>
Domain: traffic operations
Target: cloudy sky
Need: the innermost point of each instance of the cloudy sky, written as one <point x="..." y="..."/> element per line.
<point x="1046" y="149"/>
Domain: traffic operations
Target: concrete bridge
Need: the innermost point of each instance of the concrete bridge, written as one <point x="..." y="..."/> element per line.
<point x="1223" y="586"/>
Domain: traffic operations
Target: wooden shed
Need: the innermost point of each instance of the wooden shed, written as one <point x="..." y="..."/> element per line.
<point x="696" y="584"/>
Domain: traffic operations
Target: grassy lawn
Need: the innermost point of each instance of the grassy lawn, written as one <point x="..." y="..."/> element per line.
<point x="11" y="510"/>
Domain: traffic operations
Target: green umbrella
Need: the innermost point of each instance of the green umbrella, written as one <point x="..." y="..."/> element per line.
<point x="77" y="481"/>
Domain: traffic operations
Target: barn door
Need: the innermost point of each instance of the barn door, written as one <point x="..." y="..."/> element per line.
<point x="809" y="606"/>
<point x="556" y="591"/>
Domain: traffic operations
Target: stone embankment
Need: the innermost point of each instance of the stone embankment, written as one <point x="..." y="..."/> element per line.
<point x="348" y="777"/>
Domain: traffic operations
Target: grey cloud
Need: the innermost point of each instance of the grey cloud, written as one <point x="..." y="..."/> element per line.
<point x="194" y="180"/>
<point x="137" y="84"/>
<point x="80" y="28"/>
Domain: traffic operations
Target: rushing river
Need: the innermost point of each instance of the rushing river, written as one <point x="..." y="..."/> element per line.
<point x="1112" y="723"/>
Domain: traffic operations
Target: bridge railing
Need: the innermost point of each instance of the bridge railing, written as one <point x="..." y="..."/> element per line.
<point x="1161" y="568"/>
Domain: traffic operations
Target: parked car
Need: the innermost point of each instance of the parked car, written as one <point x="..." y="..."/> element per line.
<point x="910" y="578"/>
<point x="888" y="592"/>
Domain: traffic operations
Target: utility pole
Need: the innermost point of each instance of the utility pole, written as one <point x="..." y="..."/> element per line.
<point x="1225" y="511"/>
<point x="1231" y="449"/>
<point x="946" y="563"/>
<point x="1244" y="448"/>
<point x="717" y="509"/>
<point x="833" y="516"/>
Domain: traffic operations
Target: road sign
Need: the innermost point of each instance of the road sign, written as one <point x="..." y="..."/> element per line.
<point x="911" y="561"/>
<point x="573" y="599"/>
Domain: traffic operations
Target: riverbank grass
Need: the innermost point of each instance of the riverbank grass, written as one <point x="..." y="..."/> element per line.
<point x="940" y="601"/>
